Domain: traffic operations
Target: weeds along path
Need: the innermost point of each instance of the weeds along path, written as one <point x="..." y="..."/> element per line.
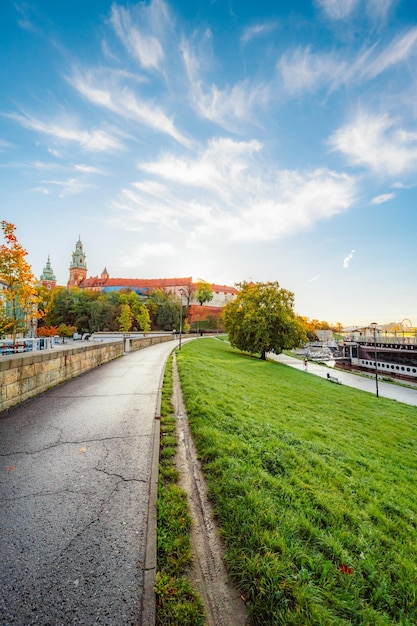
<point x="223" y="603"/>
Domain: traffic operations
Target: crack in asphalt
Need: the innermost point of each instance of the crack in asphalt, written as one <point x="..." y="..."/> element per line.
<point x="69" y="443"/>
<point x="122" y="478"/>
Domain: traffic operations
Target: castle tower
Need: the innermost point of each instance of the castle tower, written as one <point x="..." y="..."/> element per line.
<point x="78" y="267"/>
<point x="48" y="278"/>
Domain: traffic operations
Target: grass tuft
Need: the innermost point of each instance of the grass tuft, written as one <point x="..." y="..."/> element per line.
<point x="178" y="603"/>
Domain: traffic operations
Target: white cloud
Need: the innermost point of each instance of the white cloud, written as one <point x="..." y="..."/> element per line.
<point x="379" y="8"/>
<point x="145" y="47"/>
<point x="340" y="9"/>
<point x="101" y="90"/>
<point x="227" y="107"/>
<point x="337" y="9"/>
<point x="376" y="142"/>
<point x="303" y="70"/>
<point x="385" y="197"/>
<point x="43" y="190"/>
<point x="87" y="169"/>
<point x="400" y="49"/>
<point x="69" y="187"/>
<point x="314" y="278"/>
<point x="4" y="145"/>
<point x="65" y="130"/>
<point x="255" y="31"/>
<point x="228" y="191"/>
<point x="348" y="258"/>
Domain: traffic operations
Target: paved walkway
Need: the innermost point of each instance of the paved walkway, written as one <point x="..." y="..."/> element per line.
<point x="386" y="390"/>
<point x="77" y="497"/>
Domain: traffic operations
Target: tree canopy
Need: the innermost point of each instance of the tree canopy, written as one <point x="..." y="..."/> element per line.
<point x="261" y="319"/>
<point x="204" y="292"/>
<point x="19" y="290"/>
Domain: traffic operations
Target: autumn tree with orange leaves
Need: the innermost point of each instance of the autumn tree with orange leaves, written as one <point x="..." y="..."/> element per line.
<point x="18" y="289"/>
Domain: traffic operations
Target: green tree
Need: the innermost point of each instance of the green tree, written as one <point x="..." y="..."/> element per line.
<point x="19" y="293"/>
<point x="164" y="309"/>
<point x="59" y="309"/>
<point x="125" y="318"/>
<point x="66" y="331"/>
<point x="140" y="314"/>
<point x="103" y="313"/>
<point x="204" y="292"/>
<point x="261" y="319"/>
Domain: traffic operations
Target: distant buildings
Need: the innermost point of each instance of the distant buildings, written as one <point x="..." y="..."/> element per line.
<point x="182" y="287"/>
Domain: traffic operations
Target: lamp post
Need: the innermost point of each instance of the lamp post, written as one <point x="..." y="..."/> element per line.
<point x="179" y="344"/>
<point x="374" y="326"/>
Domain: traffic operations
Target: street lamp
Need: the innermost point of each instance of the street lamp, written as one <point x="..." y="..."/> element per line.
<point x="181" y="293"/>
<point x="374" y="327"/>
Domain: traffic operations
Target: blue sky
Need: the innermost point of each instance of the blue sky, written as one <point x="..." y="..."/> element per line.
<point x="227" y="140"/>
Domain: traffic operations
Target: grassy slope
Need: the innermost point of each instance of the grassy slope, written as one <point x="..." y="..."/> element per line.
<point x="314" y="487"/>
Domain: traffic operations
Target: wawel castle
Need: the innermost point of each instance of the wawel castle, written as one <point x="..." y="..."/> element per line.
<point x="183" y="288"/>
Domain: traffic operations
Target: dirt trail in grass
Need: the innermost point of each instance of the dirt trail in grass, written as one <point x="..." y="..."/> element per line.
<point x="223" y="603"/>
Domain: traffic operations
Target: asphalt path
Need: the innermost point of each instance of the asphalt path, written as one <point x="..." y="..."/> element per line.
<point x="75" y="485"/>
<point x="408" y="395"/>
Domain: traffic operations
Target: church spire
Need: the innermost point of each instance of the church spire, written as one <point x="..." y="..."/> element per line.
<point x="48" y="278"/>
<point x="78" y="267"/>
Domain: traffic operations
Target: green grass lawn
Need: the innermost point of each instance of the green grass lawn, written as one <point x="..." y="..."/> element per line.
<point x="314" y="487"/>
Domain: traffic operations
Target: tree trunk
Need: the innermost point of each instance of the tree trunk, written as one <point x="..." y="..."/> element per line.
<point x="263" y="355"/>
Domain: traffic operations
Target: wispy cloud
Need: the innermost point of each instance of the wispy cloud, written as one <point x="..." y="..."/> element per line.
<point x="385" y="197"/>
<point x="5" y="145"/>
<point x="43" y="190"/>
<point x="228" y="107"/>
<point x="341" y="9"/>
<point x="66" y="131"/>
<point x="100" y="89"/>
<point x="24" y="21"/>
<point x="348" y="258"/>
<point x="137" y="30"/>
<point x="256" y="30"/>
<point x="337" y="9"/>
<point x="397" y="51"/>
<point x="88" y="169"/>
<point x="68" y="187"/>
<point x="305" y="70"/>
<point x="376" y="142"/>
<point x="314" y="278"/>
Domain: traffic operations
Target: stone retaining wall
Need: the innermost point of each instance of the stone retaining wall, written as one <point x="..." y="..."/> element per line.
<point x="25" y="375"/>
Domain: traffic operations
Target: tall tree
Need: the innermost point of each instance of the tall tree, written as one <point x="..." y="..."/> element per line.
<point x="204" y="292"/>
<point x="19" y="290"/>
<point x="165" y="310"/>
<point x="125" y="318"/>
<point x="261" y="319"/>
<point x="140" y="314"/>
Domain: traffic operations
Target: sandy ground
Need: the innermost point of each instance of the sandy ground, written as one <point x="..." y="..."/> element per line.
<point x="224" y="606"/>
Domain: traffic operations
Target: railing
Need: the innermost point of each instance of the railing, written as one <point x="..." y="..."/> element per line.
<point x="25" y="345"/>
<point x="394" y="340"/>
